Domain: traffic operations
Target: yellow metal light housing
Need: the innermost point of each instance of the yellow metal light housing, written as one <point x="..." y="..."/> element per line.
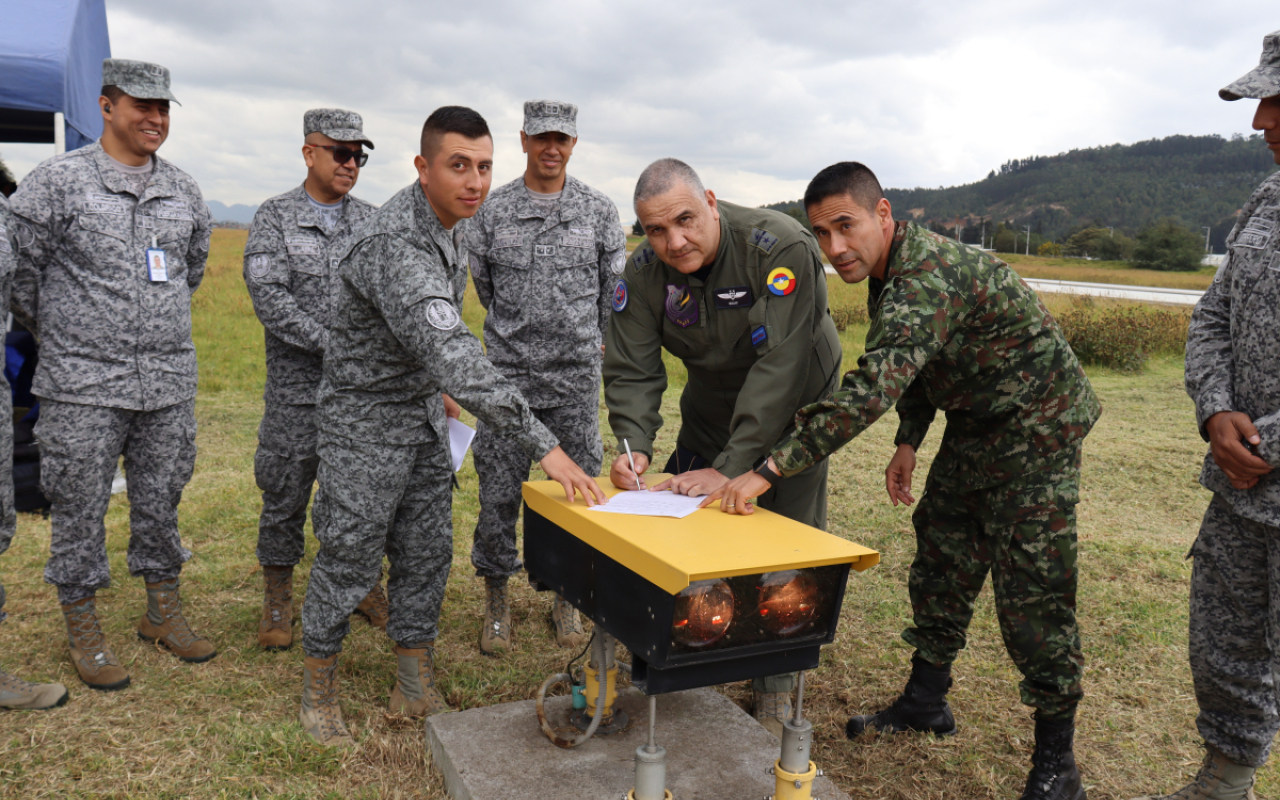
<point x="698" y="601"/>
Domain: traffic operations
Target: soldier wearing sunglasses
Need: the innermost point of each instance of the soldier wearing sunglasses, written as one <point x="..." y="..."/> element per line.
<point x="290" y="267"/>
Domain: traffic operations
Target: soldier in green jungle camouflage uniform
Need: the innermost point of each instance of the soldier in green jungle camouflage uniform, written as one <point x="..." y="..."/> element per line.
<point x="957" y="330"/>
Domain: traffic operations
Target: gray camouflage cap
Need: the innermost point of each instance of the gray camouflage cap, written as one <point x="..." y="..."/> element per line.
<point x="541" y="116"/>
<point x="137" y="79"/>
<point x="1264" y="80"/>
<point x="336" y="123"/>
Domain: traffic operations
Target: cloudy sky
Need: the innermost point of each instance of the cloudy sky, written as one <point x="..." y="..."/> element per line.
<point x="757" y="96"/>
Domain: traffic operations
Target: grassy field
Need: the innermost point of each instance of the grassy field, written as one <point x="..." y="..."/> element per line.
<point x="228" y="728"/>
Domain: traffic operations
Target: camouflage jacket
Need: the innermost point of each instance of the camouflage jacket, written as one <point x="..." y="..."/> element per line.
<point x="291" y="269"/>
<point x="109" y="335"/>
<point x="753" y="355"/>
<point x="546" y="280"/>
<point x="398" y="339"/>
<point x="1233" y="355"/>
<point x="957" y="330"/>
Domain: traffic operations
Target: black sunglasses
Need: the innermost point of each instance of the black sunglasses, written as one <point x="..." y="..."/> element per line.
<point x="343" y="154"/>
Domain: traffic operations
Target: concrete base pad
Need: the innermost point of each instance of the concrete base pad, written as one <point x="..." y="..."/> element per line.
<point x="714" y="750"/>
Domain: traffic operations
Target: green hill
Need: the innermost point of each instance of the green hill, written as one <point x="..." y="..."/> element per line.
<point x="1201" y="181"/>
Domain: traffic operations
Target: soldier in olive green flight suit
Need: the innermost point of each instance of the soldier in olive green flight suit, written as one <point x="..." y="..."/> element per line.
<point x="739" y="295"/>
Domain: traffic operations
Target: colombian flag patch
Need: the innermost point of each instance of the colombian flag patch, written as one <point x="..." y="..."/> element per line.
<point x="782" y="281"/>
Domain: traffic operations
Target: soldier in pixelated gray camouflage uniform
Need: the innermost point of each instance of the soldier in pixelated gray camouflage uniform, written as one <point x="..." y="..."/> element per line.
<point x="15" y="693"/>
<point x="112" y="244"/>
<point x="397" y="343"/>
<point x="290" y="267"/>
<point x="1233" y="375"/>
<point x="545" y="251"/>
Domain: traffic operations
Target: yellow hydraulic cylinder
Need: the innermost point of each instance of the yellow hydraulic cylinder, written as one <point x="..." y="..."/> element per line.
<point x="592" y="691"/>
<point x="793" y="785"/>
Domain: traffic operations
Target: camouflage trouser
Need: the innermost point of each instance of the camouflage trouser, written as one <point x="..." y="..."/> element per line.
<point x="375" y="499"/>
<point x="285" y="469"/>
<point x="1024" y="533"/>
<point x="1235" y="633"/>
<point x="802" y="498"/>
<point x="79" y="448"/>
<point x="502" y="466"/>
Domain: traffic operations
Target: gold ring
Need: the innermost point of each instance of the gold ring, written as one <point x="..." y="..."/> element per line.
<point x="728" y="505"/>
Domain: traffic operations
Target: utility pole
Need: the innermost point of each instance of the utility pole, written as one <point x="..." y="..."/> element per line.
<point x="1028" y="229"/>
<point x="1206" y="241"/>
<point x="982" y="240"/>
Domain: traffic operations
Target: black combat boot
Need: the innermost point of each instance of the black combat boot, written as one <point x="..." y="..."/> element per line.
<point x="922" y="706"/>
<point x="1054" y="775"/>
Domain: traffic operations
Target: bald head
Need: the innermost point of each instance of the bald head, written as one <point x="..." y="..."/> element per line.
<point x="662" y="176"/>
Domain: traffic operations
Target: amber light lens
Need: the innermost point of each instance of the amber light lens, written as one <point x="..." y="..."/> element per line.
<point x="788" y="601"/>
<point x="703" y="612"/>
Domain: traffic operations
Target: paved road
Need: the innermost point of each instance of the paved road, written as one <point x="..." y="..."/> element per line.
<point x="1143" y="294"/>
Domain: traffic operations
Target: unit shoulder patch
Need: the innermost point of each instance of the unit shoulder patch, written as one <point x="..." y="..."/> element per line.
<point x="259" y="263"/>
<point x="442" y="315"/>
<point x="620" y="295"/>
<point x="781" y="281"/>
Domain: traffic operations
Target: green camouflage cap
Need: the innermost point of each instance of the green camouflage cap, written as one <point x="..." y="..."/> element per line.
<point x="1264" y="80"/>
<point x="541" y="116"/>
<point x="336" y="123"/>
<point x="137" y="79"/>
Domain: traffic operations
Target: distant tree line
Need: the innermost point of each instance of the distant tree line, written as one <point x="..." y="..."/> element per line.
<point x="1100" y="202"/>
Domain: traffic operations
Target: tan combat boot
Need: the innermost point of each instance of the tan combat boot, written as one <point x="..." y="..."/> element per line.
<point x="374" y="607"/>
<point x="495" y="633"/>
<point x="770" y="709"/>
<point x="94" y="661"/>
<point x="275" y="630"/>
<point x="320" y="716"/>
<point x="164" y="624"/>
<point x="1219" y="778"/>
<point x="416" y="694"/>
<point x="17" y="694"/>
<point x="564" y="616"/>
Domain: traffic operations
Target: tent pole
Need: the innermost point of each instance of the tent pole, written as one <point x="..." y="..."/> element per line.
<point x="59" y="133"/>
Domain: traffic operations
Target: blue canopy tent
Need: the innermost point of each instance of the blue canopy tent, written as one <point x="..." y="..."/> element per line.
<point x="51" y="54"/>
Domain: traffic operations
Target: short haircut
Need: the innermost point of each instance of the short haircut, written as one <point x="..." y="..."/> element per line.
<point x="664" y="175"/>
<point x="451" y="119"/>
<point x="113" y="93"/>
<point x="848" y="177"/>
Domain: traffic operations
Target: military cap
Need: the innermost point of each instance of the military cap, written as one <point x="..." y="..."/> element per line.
<point x="541" y="116"/>
<point x="137" y="79"/>
<point x="1264" y="80"/>
<point x="336" y="123"/>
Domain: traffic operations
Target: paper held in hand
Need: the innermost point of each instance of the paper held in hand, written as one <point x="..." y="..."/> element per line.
<point x="460" y="436"/>
<point x="651" y="504"/>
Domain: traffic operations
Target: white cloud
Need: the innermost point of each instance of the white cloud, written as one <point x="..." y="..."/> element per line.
<point x="756" y="95"/>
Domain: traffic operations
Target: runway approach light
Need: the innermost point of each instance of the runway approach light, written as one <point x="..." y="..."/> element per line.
<point x="707" y="599"/>
<point x="699" y="601"/>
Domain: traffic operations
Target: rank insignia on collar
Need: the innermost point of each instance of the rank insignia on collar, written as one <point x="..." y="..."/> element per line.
<point x="682" y="308"/>
<point x="782" y="281"/>
<point x="620" y="295"/>
<point x="733" y="297"/>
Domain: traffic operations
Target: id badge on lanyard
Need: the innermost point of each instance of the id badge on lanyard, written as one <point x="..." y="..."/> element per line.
<point x="157" y="267"/>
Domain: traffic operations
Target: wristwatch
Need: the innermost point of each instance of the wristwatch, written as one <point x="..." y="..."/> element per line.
<point x="769" y="475"/>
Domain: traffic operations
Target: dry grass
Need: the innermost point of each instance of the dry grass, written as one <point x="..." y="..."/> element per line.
<point x="1122" y="272"/>
<point x="228" y="728"/>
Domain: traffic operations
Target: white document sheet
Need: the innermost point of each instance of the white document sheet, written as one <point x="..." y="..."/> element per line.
<point x="651" y="504"/>
<point x="460" y="436"/>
